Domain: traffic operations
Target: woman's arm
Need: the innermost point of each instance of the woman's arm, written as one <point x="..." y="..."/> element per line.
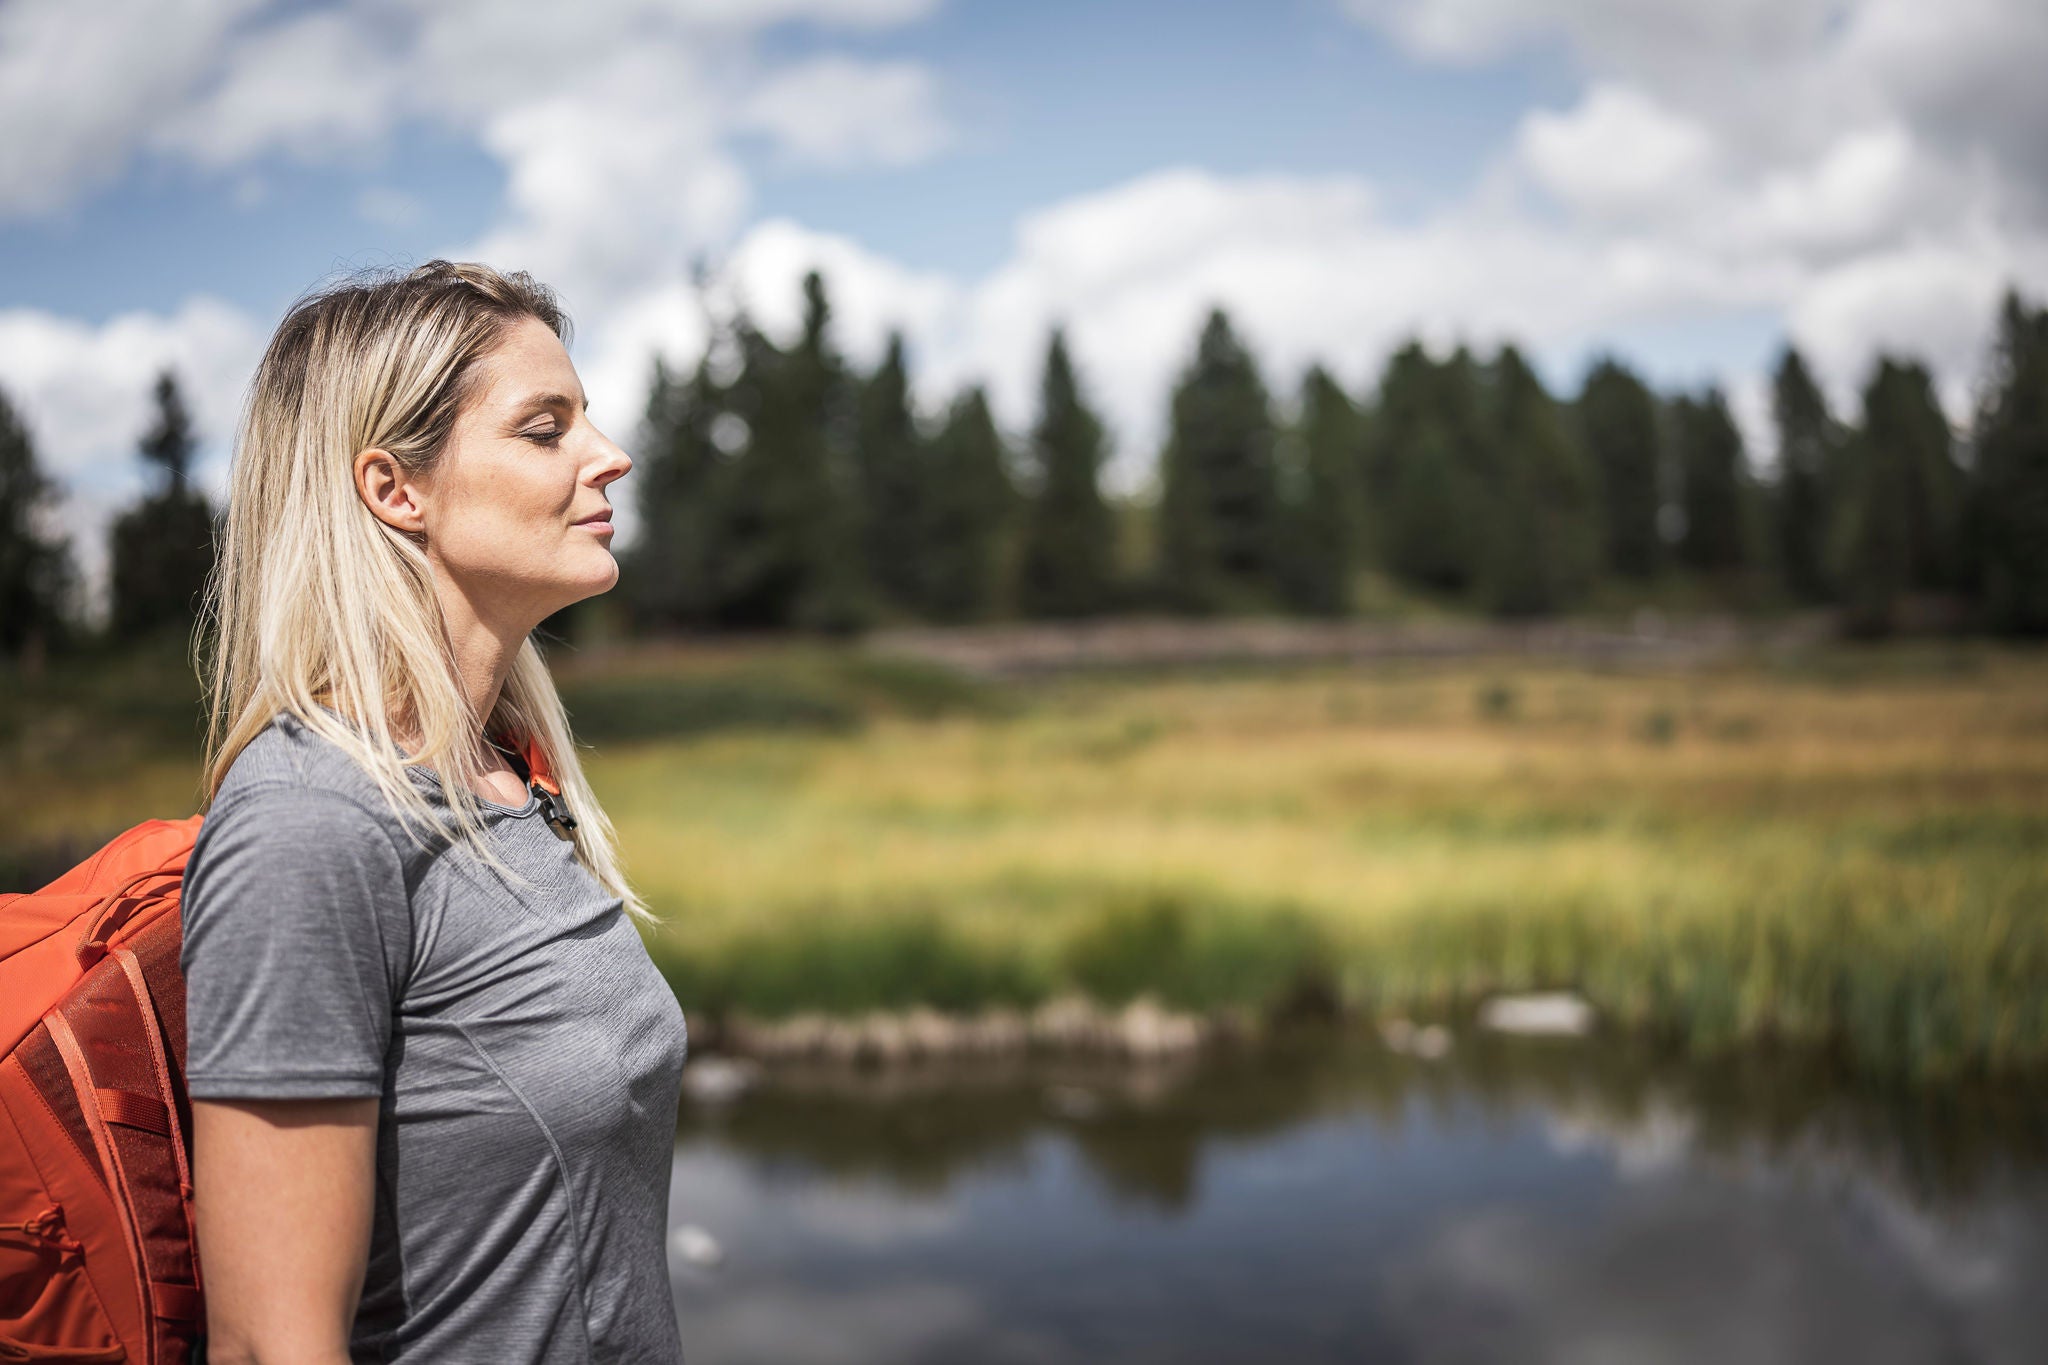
<point x="284" y="1191"/>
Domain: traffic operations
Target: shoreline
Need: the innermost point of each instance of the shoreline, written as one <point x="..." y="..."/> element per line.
<point x="1142" y="1029"/>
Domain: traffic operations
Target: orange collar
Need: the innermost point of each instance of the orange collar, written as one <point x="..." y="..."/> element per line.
<point x="530" y="752"/>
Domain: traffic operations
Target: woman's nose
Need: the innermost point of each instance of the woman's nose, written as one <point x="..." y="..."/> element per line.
<point x="613" y="463"/>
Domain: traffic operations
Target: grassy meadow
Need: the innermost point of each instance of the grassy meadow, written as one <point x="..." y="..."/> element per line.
<point x="1837" y="849"/>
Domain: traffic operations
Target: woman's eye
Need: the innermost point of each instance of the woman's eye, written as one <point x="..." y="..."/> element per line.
<point x="546" y="438"/>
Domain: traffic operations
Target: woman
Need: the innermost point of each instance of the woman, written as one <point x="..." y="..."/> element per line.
<point x="434" y="1073"/>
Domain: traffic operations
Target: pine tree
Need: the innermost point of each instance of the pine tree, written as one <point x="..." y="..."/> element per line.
<point x="1421" y="482"/>
<point x="1902" y="506"/>
<point x="1324" y="512"/>
<point x="36" y="573"/>
<point x="1400" y="411"/>
<point x="1870" y="550"/>
<point x="1069" y="550"/>
<point x="1715" y="485"/>
<point x="1462" y="397"/>
<point x="837" y="595"/>
<point x="162" y="548"/>
<point x="771" y="491"/>
<point x="671" y="575"/>
<point x="968" y="512"/>
<point x="790" y="554"/>
<point x="1219" y="524"/>
<point x="2009" y="476"/>
<point x="1546" y="545"/>
<point x="889" y="460"/>
<point x="1617" y="419"/>
<point x="1809" y="454"/>
<point x="1934" y="480"/>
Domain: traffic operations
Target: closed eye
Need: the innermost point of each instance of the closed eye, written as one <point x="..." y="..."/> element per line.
<point x="545" y="438"/>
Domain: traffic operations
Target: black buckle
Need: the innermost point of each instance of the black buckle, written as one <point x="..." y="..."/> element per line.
<point x="553" y="808"/>
<point x="555" y="811"/>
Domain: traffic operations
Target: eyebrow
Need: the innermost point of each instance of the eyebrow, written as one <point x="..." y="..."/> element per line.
<point x="538" y="402"/>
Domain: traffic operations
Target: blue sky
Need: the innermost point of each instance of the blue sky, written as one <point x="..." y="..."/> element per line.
<point x="1688" y="186"/>
<point x="254" y="237"/>
<point x="1059" y="99"/>
<point x="1050" y="100"/>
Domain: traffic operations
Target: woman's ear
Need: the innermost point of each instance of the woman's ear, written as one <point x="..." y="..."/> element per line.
<point x="388" y="492"/>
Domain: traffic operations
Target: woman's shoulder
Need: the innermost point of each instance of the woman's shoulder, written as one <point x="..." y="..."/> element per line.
<point x="294" y="802"/>
<point x="290" y="760"/>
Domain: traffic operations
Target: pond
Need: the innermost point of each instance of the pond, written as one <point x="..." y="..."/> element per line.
<point x="1324" y="1199"/>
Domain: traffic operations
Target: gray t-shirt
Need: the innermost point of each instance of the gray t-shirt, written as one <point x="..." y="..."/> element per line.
<point x="527" y="1053"/>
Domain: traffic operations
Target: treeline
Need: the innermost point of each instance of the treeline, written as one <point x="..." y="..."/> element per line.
<point x="782" y="487"/>
<point x="159" y="551"/>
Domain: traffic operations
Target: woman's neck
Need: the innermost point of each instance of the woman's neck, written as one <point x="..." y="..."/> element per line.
<point x="485" y="640"/>
<point x="484" y="646"/>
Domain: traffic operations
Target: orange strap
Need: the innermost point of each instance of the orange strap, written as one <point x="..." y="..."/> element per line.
<point x="134" y="1110"/>
<point x="536" y="761"/>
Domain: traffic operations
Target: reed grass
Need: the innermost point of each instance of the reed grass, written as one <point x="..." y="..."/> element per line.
<point x="1842" y="850"/>
<point x="1849" y="854"/>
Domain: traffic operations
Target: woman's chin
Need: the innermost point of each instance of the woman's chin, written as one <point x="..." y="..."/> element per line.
<point x="594" y="581"/>
<point x="597" y="583"/>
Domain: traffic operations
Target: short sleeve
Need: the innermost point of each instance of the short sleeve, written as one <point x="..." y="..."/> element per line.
<point x="296" y="946"/>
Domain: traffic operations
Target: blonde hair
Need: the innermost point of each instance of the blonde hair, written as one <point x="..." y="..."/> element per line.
<point x="314" y="602"/>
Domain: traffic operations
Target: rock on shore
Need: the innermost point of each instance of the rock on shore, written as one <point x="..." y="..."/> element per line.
<point x="1142" y="1028"/>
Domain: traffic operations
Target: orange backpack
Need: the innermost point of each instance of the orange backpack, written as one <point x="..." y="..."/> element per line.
<point x="97" y="1257"/>
<point x="98" y="1261"/>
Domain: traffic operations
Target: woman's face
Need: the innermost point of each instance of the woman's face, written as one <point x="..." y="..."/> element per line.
<point x="516" y="513"/>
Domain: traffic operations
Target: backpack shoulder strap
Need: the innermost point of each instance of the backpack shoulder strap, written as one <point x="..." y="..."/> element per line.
<point x="531" y="761"/>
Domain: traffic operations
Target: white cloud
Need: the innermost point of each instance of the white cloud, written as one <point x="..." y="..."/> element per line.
<point x="1307" y="267"/>
<point x="1669" y="33"/>
<point x="607" y="189"/>
<point x="189" y="78"/>
<point x="1869" y="169"/>
<point x="1857" y="191"/>
<point x="1619" y="154"/>
<point x="869" y="293"/>
<point x="1310" y="269"/>
<point x="85" y="389"/>
<point x="77" y="90"/>
<point x="844" y="114"/>
<point x="613" y="125"/>
<point x="311" y="87"/>
<point x="1778" y="79"/>
<point x="1934" y="303"/>
<point x="1967" y="73"/>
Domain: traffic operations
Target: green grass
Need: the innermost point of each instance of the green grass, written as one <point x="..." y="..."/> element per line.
<point x="804" y="689"/>
<point x="1836" y="858"/>
<point x="1844" y="852"/>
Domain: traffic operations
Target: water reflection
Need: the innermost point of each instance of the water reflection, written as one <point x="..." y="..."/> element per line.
<point x="1326" y="1200"/>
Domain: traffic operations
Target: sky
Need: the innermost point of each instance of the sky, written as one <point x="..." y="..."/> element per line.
<point x="1690" y="186"/>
